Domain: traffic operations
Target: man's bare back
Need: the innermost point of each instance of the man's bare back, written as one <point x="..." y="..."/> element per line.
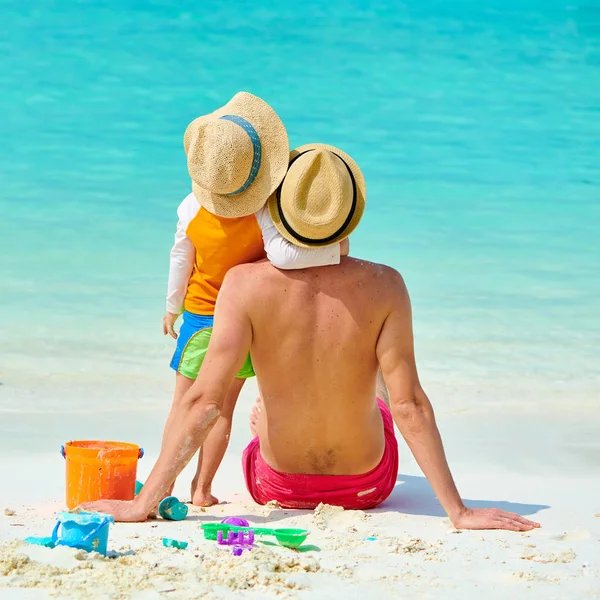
<point x="315" y="334"/>
<point x="317" y="339"/>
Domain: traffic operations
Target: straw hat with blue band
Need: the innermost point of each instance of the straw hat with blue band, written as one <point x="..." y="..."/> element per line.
<point x="237" y="156"/>
<point x="322" y="198"/>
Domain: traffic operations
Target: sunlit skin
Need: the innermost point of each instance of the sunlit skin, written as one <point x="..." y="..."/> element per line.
<point x="318" y="338"/>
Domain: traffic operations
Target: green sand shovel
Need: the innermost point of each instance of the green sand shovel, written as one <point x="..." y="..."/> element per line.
<point x="290" y="538"/>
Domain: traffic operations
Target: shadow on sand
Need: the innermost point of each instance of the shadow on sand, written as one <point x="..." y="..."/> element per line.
<point x="274" y="516"/>
<point x="414" y="496"/>
<point x="411" y="496"/>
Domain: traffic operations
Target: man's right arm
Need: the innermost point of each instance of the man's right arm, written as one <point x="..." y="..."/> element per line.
<point x="414" y="417"/>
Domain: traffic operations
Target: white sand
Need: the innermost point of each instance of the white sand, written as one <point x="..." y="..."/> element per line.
<point x="416" y="553"/>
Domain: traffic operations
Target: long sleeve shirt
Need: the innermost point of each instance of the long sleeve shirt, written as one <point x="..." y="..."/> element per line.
<point x="207" y="246"/>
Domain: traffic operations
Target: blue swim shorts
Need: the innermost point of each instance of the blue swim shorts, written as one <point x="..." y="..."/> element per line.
<point x="192" y="345"/>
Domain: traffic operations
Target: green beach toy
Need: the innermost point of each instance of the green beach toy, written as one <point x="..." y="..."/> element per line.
<point x="173" y="510"/>
<point x="138" y="487"/>
<point x="169" y="543"/>
<point x="289" y="538"/>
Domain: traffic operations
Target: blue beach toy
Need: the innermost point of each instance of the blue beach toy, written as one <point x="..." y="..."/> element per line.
<point x="47" y="542"/>
<point x="85" y="530"/>
<point x="172" y="510"/>
<point x="169" y="543"/>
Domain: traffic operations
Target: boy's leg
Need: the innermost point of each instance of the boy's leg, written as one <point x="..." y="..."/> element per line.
<point x="213" y="450"/>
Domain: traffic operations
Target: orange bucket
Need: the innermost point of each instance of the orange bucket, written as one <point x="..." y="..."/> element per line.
<point x="100" y="471"/>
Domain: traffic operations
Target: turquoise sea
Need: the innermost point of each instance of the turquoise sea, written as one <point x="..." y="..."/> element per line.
<point x="477" y="125"/>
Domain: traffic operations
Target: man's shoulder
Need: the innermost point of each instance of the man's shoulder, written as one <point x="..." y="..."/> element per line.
<point x="262" y="275"/>
<point x="250" y="272"/>
<point x="385" y="282"/>
<point x="378" y="271"/>
<point x="249" y="280"/>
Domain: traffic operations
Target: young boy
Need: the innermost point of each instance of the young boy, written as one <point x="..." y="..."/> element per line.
<point x="237" y="157"/>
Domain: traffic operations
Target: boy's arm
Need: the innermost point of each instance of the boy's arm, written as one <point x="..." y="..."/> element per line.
<point x="285" y="255"/>
<point x="180" y="265"/>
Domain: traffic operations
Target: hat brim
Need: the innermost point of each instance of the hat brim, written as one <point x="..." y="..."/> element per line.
<point x="275" y="155"/>
<point x="361" y="198"/>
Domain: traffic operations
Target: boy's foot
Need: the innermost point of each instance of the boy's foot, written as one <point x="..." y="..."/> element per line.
<point x="202" y="497"/>
<point x="254" y="415"/>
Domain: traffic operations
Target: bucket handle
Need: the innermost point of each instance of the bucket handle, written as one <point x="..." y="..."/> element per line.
<point x="91" y="534"/>
<point x="55" y="532"/>
<point x="64" y="454"/>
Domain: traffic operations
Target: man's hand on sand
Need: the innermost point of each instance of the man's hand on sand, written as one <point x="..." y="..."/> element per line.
<point x="124" y="511"/>
<point x="168" y="324"/>
<point x="492" y="518"/>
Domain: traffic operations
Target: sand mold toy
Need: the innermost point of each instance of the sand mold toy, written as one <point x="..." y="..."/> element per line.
<point x="290" y="538"/>
<point x="239" y="541"/>
<point x="237" y="521"/>
<point x="172" y="509"/>
<point x="169" y="543"/>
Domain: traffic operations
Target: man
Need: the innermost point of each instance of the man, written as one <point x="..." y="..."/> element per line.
<point x="318" y="338"/>
<point x="237" y="157"/>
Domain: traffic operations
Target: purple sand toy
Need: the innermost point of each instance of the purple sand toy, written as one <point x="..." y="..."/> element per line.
<point x="237" y="521"/>
<point x="238" y="541"/>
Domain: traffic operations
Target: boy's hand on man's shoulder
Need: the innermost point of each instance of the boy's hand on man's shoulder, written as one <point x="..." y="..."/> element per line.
<point x="345" y="247"/>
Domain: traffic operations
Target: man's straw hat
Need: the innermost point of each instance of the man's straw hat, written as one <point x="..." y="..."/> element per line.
<point x="321" y="199"/>
<point x="237" y="156"/>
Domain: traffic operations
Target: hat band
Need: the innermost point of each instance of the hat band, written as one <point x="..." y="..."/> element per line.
<point x="256" y="145"/>
<point x="331" y="237"/>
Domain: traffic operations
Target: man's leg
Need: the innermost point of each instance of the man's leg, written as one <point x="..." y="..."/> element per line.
<point x="182" y="385"/>
<point x="213" y="450"/>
